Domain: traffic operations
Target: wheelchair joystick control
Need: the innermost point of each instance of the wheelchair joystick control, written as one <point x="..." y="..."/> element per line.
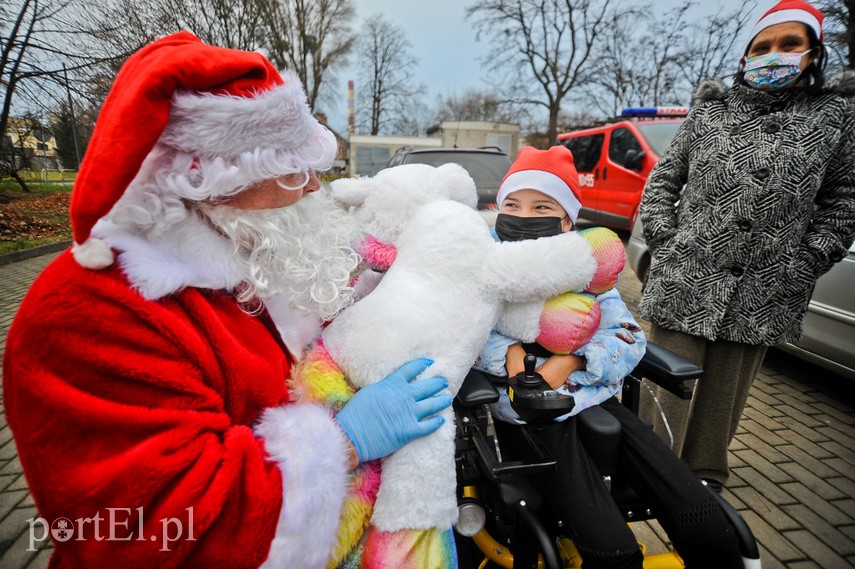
<point x="529" y="377"/>
<point x="532" y="397"/>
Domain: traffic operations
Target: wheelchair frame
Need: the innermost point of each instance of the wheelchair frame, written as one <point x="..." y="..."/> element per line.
<point x="530" y="535"/>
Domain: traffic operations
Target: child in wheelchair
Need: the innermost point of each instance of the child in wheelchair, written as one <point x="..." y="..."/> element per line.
<point x="539" y="197"/>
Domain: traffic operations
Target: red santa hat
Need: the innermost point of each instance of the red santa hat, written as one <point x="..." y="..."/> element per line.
<point x="790" y="11"/>
<point x="213" y="103"/>
<point x="552" y="172"/>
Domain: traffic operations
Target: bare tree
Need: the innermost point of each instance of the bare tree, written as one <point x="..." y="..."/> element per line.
<point x="640" y="59"/>
<point x="613" y="84"/>
<point x="567" y="121"/>
<point x="15" y="155"/>
<point x="839" y="30"/>
<point x="664" y="47"/>
<point x="716" y="45"/>
<point x="475" y="105"/>
<point x="312" y="37"/>
<point x="38" y="37"/>
<point x="71" y="138"/>
<point x="547" y="44"/>
<point x="648" y="59"/>
<point x="124" y="26"/>
<point x="415" y="120"/>
<point x="386" y="64"/>
<point x="127" y="25"/>
<point x="227" y="23"/>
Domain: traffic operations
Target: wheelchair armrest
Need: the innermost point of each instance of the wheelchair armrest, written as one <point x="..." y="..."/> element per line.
<point x="667" y="369"/>
<point x="477" y="389"/>
<point x="600" y="432"/>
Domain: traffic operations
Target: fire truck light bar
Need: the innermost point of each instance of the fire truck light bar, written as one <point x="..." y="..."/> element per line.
<point x="655" y="112"/>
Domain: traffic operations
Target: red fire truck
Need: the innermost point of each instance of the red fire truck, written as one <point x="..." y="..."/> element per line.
<point x="614" y="160"/>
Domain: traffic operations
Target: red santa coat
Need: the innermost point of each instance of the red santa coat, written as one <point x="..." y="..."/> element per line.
<point x="174" y="412"/>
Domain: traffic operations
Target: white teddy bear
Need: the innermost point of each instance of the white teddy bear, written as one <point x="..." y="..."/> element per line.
<point x="447" y="288"/>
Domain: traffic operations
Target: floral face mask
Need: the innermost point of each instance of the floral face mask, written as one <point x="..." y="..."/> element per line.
<point x="773" y="71"/>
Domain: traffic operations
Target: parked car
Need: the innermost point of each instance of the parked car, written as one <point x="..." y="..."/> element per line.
<point x="487" y="166"/>
<point x="615" y="159"/>
<point x="829" y="325"/>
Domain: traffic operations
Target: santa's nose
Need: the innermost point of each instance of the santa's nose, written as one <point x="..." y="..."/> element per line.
<point x="314" y="184"/>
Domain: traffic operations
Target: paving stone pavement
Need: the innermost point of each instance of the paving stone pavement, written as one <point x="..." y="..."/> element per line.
<point x="793" y="458"/>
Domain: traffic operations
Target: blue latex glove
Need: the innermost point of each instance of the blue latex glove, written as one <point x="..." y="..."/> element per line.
<point x="381" y="418"/>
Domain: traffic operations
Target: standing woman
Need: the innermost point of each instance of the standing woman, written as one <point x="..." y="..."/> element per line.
<point x="768" y="206"/>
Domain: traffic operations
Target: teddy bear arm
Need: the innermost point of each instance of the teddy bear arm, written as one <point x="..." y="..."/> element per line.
<point x="520" y="321"/>
<point x="532" y="270"/>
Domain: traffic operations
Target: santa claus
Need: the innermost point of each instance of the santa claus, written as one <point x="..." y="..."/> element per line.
<point x="145" y="373"/>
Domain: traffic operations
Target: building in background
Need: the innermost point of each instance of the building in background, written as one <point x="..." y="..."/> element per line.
<point x="478" y="134"/>
<point x="369" y="154"/>
<point x="32" y="144"/>
<point x="342" y="152"/>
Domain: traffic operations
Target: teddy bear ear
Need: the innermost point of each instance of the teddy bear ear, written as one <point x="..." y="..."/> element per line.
<point x="461" y="186"/>
<point x="351" y="191"/>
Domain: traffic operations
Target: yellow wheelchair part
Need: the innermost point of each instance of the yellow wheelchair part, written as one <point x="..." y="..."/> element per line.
<point x="502" y="556"/>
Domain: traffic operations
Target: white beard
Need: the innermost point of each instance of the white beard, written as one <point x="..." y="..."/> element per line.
<point x="301" y="251"/>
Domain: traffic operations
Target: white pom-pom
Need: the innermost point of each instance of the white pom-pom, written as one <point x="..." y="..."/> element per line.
<point x="93" y="254"/>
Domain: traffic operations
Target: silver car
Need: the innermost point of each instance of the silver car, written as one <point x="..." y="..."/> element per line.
<point x="829" y="326"/>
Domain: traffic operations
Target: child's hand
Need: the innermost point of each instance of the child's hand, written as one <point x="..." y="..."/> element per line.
<point x="514" y="359"/>
<point x="557" y="368"/>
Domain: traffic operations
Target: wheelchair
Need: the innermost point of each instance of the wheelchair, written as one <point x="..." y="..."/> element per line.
<point x="504" y="519"/>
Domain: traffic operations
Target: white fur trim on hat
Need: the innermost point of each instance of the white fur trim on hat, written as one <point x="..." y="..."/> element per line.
<point x="93" y="254"/>
<point x="210" y="124"/>
<point x="782" y="16"/>
<point x="545" y="182"/>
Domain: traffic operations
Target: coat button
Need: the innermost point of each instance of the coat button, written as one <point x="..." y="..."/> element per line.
<point x="836" y="256"/>
<point x="761" y="173"/>
<point x="772" y="128"/>
<point x="744" y="224"/>
<point x="737" y="271"/>
<point x="735" y="129"/>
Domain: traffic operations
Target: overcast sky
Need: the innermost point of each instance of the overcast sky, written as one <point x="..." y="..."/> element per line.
<point x="444" y="43"/>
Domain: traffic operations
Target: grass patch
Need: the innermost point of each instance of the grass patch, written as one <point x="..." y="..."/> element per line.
<point x="38" y="176"/>
<point x="27" y="243"/>
<point x="12" y="192"/>
<point x="37" y="217"/>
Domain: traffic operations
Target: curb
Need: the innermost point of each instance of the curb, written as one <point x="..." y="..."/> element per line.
<point x="17" y="256"/>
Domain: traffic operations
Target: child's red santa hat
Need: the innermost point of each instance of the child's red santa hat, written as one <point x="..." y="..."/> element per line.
<point x="551" y="172"/>
<point x="790" y="11"/>
<point x="211" y="102"/>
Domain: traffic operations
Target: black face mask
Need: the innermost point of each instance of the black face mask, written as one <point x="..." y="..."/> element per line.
<point x="514" y="228"/>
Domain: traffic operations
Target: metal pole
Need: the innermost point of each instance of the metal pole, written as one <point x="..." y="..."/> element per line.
<point x="43" y="134"/>
<point x="73" y="120"/>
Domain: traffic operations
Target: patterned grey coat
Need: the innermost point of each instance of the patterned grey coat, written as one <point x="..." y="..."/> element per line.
<point x="768" y="207"/>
